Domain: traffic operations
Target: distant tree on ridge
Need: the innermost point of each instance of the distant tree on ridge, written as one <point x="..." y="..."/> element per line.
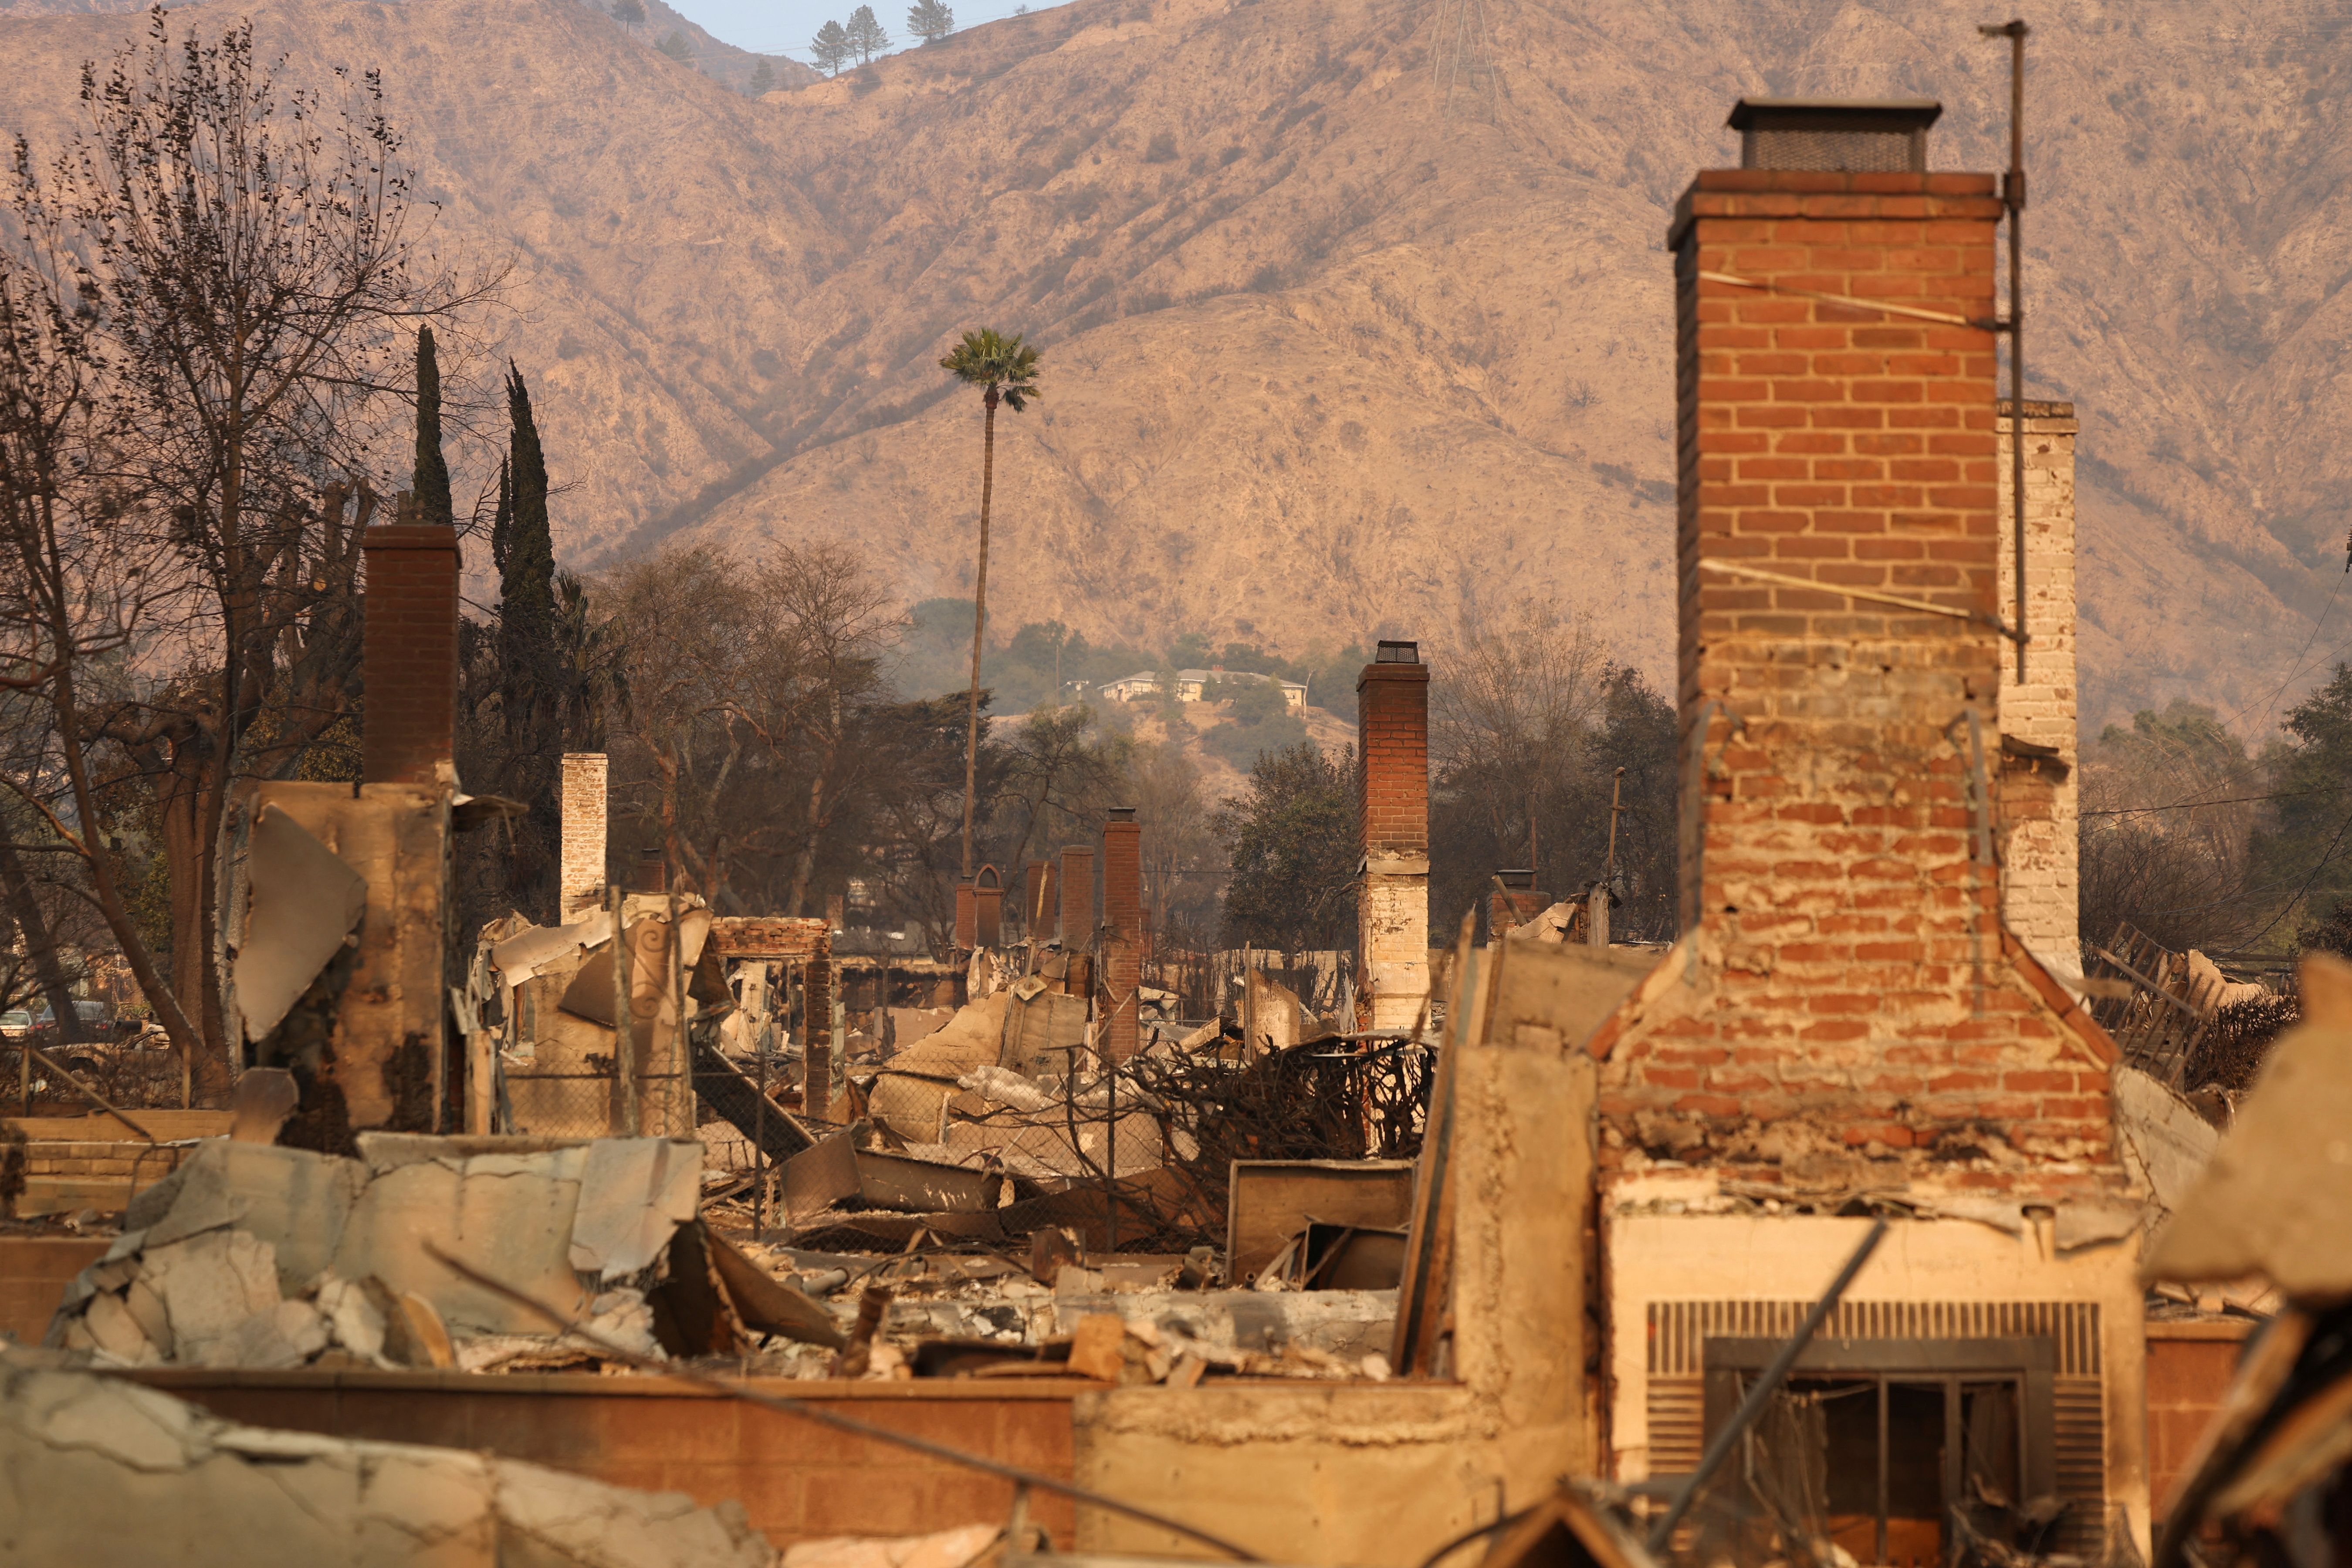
<point x="832" y="48"/>
<point x="677" y="47"/>
<point x="930" y="21"/>
<point x="866" y="34"/>
<point x="629" y="13"/>
<point x="763" y="79"/>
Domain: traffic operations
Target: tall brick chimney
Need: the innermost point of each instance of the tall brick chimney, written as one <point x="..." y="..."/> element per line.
<point x="1123" y="912"/>
<point x="409" y="652"/>
<point x="966" y="915"/>
<point x="1077" y="904"/>
<point x="1847" y="982"/>
<point x="1392" y="794"/>
<point x="580" y="872"/>
<point x="1845" y="1024"/>
<point x="2039" y="818"/>
<point x="988" y="908"/>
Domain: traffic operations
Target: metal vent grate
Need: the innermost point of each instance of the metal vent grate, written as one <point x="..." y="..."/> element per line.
<point x="1835" y="152"/>
<point x="1679" y="1330"/>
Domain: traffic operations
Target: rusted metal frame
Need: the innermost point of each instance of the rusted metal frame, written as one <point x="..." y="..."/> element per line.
<point x="85" y="1091"/>
<point x="1941" y="318"/>
<point x="792" y="1405"/>
<point x="1759" y="1394"/>
<point x="1735" y="568"/>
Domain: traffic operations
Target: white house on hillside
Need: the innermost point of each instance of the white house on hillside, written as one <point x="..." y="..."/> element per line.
<point x="1146" y="683"/>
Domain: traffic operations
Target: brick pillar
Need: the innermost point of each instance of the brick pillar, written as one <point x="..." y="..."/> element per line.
<point x="967" y="915"/>
<point x="1848" y="447"/>
<point x="1514" y="903"/>
<point x="409" y="653"/>
<point x="818" y="977"/>
<point x="1077" y="900"/>
<point x="1123" y="912"/>
<point x="2038" y="810"/>
<point x="580" y="875"/>
<point x="1392" y="794"/>
<point x="988" y="908"/>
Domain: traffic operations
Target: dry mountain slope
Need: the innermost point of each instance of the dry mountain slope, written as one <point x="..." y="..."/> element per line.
<point x="1325" y="359"/>
<point x="1322" y="359"/>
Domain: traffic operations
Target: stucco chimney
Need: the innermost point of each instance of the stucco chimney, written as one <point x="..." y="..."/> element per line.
<point x="1123" y="912"/>
<point x="1392" y="793"/>
<point x="580" y="872"/>
<point x="409" y="652"/>
<point x="2038" y="811"/>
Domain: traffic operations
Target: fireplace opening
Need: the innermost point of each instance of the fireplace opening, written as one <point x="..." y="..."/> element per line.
<point x="1914" y="1454"/>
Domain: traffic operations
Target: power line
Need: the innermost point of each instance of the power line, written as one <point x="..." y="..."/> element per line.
<point x="2225" y="800"/>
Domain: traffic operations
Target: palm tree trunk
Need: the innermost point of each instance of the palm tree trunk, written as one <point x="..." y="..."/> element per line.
<point x="979" y="625"/>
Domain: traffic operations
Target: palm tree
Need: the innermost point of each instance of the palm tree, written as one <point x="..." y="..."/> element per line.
<point x="1005" y="370"/>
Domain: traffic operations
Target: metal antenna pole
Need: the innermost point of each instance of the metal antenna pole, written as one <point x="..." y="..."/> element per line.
<point x="2013" y="197"/>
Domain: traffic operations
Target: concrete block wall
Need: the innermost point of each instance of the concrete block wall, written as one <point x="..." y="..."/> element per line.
<point x="1847" y="987"/>
<point x="1392" y="798"/>
<point x="2038" y="814"/>
<point x="409" y="649"/>
<point x="580" y="874"/>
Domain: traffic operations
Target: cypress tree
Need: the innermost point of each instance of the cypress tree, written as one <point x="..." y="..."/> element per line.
<point x="431" y="480"/>
<point x="502" y="519"/>
<point x="527" y="580"/>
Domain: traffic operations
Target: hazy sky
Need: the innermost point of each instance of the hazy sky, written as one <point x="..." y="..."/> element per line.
<point x="785" y="27"/>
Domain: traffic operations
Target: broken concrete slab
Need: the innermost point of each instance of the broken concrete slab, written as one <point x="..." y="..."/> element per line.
<point x="537" y="948"/>
<point x="2267" y="1203"/>
<point x="95" y="1470"/>
<point x="303" y="902"/>
<point x="294" y="1200"/>
<point x="2164" y="1139"/>
<point x="633" y="1195"/>
<point x="1042" y="1028"/>
<point x="508" y="1216"/>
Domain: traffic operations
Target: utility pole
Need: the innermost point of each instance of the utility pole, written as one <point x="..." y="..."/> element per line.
<point x="1596" y="922"/>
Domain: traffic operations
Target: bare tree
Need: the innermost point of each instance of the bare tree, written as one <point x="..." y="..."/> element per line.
<point x="74" y="592"/>
<point x="1513" y="707"/>
<point x="250" y="276"/>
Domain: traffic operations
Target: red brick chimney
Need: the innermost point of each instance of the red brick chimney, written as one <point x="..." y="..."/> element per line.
<point x="1848" y="985"/>
<point x="1076" y="916"/>
<point x="1123" y="912"/>
<point x="409" y="652"/>
<point x="967" y="915"/>
<point x="988" y="908"/>
<point x="1392" y="793"/>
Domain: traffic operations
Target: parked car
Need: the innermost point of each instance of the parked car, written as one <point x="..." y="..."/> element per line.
<point x="94" y="1024"/>
<point x="15" y="1024"/>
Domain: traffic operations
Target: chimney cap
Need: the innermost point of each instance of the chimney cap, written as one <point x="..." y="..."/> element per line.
<point x="1389" y="652"/>
<point x="1836" y="135"/>
<point x="1122" y="813"/>
<point x="1516" y="879"/>
<point x="1881" y="114"/>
